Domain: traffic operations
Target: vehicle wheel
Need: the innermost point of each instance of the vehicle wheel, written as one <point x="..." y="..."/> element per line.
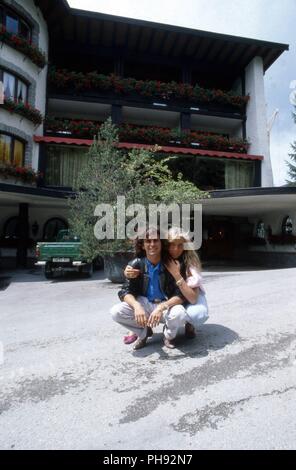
<point x="89" y="269"/>
<point x="98" y="262"/>
<point x="48" y="272"/>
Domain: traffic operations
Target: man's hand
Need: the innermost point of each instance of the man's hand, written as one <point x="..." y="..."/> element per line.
<point x="155" y="317"/>
<point x="131" y="273"/>
<point x="140" y="316"/>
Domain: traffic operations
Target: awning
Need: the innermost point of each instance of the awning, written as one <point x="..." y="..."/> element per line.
<point x="62" y="140"/>
<point x="164" y="149"/>
<point x="191" y="151"/>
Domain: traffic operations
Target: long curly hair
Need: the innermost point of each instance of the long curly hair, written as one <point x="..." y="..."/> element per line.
<point x="189" y="256"/>
<point x="151" y="232"/>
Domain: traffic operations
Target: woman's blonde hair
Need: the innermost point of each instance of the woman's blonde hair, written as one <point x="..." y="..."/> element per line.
<point x="190" y="256"/>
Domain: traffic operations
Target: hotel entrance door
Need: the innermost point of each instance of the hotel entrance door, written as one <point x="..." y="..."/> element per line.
<point x="218" y="240"/>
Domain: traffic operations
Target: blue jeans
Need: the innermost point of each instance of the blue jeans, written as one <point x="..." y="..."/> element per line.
<point x="197" y="314"/>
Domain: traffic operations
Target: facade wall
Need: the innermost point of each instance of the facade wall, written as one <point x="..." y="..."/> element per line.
<point x="256" y="130"/>
<point x="8" y="255"/>
<point x="42" y="215"/>
<point x="273" y="255"/>
<point x="256" y="125"/>
<point x="237" y="86"/>
<point x="39" y="214"/>
<point x="275" y="220"/>
<point x="18" y="63"/>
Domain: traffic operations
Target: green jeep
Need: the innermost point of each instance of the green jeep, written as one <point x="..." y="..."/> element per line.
<point x="62" y="255"/>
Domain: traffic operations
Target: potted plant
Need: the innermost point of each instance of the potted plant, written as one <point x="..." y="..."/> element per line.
<point x="21" y="175"/>
<point x="139" y="176"/>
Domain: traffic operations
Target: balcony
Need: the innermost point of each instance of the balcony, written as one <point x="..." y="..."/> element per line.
<point x="82" y="129"/>
<point x="64" y="158"/>
<point x="93" y="86"/>
<point x="209" y="160"/>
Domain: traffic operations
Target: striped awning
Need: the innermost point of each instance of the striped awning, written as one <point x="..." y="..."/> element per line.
<point x="161" y="148"/>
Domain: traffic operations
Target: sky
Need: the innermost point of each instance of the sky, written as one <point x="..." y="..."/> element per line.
<point x="270" y="20"/>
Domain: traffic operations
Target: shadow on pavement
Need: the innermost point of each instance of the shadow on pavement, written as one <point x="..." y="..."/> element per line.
<point x="37" y="275"/>
<point x="231" y="266"/>
<point x="73" y="276"/>
<point x="209" y="337"/>
<point x="4" y="282"/>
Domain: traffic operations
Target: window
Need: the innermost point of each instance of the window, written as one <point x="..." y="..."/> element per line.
<point x="22" y="91"/>
<point x="14" y="23"/>
<point x="14" y="88"/>
<point x="5" y="148"/>
<point x="8" y="86"/>
<point x="287" y="226"/>
<point x="11" y="23"/>
<point x="18" y="152"/>
<point x="215" y="173"/>
<point x="12" y="150"/>
<point x="64" y="163"/>
<point x="12" y="228"/>
<point x="24" y="30"/>
<point x="67" y="236"/>
<point x="52" y="227"/>
<point x="260" y="230"/>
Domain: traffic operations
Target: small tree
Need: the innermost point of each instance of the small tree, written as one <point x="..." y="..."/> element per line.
<point x="109" y="172"/>
<point x="292" y="165"/>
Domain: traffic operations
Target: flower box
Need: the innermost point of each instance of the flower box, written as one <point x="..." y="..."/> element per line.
<point x="148" y="135"/>
<point x="22" y="176"/>
<point x="16" y="181"/>
<point x="24" y="110"/>
<point x="78" y="81"/>
<point x="36" y="55"/>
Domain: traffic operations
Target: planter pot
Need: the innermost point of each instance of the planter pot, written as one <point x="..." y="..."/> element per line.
<point x="15" y="181"/>
<point x="114" y="266"/>
<point x="282" y="239"/>
<point x="257" y="241"/>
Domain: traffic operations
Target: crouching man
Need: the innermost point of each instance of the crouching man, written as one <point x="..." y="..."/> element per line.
<point x="152" y="297"/>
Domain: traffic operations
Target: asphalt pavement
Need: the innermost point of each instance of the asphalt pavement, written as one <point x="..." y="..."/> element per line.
<point x="67" y="381"/>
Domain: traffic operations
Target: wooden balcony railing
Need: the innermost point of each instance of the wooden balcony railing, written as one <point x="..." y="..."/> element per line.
<point x="147" y="135"/>
<point x="63" y="80"/>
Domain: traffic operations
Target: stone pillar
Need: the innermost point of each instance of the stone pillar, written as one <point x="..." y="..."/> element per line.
<point x="23" y="234"/>
<point x="42" y="164"/>
<point x="186" y="74"/>
<point x="185" y="121"/>
<point x="256" y="123"/>
<point x="116" y="114"/>
<point x="119" y="66"/>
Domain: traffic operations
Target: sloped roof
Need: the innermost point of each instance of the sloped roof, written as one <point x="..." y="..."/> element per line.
<point x="145" y="37"/>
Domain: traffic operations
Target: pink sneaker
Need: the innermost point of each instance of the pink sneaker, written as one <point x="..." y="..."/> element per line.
<point x="129" y="339"/>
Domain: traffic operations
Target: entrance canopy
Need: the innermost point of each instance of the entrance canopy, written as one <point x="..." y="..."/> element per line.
<point x="10" y="195"/>
<point x="250" y="202"/>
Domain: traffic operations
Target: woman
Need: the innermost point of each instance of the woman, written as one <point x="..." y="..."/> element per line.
<point x="184" y="265"/>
